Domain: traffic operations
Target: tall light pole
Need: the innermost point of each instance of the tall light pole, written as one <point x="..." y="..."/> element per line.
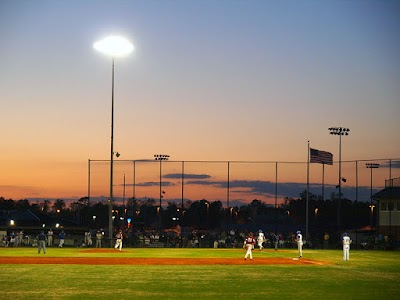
<point x="123" y="198"/>
<point x="339" y="131"/>
<point x="161" y="157"/>
<point x="114" y="46"/>
<point x="207" y="210"/>
<point x="371" y="166"/>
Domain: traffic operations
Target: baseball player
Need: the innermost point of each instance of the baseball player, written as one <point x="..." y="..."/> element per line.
<point x="299" y="240"/>
<point x="42" y="238"/>
<point x="61" y="236"/>
<point x="99" y="237"/>
<point x="249" y="246"/>
<point x="50" y="235"/>
<point x="260" y="239"/>
<point x="346" y="241"/>
<point x="118" y="242"/>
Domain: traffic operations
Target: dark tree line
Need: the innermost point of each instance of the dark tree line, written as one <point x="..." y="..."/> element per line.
<point x="201" y="214"/>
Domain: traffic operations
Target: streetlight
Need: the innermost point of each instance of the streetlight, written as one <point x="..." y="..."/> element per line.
<point x="161" y="157"/>
<point x="339" y="131"/>
<point x="371" y="166"/>
<point x="114" y="46"/>
<point x="371" y="206"/>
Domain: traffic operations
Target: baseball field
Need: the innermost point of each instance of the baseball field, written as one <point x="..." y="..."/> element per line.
<point x="137" y="273"/>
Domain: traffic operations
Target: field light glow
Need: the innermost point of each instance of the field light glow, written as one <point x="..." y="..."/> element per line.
<point x="114" y="46"/>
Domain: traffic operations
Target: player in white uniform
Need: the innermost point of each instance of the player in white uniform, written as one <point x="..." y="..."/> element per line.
<point x="260" y="239"/>
<point x="118" y="243"/>
<point x="346" y="241"/>
<point x="299" y="240"/>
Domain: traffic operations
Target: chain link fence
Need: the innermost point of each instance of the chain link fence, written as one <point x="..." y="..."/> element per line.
<point x="237" y="182"/>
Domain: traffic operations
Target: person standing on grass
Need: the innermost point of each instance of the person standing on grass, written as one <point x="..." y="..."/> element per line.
<point x="20" y="237"/>
<point x="118" y="243"/>
<point x="50" y="235"/>
<point x="326" y="240"/>
<point x="275" y="238"/>
<point x="12" y="239"/>
<point x="249" y="246"/>
<point x="260" y="239"/>
<point x="88" y="239"/>
<point x="346" y="241"/>
<point x="99" y="237"/>
<point x="42" y="238"/>
<point x="299" y="240"/>
<point x="62" y="238"/>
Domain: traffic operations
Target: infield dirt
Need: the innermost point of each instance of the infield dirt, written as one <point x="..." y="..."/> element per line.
<point x="42" y="259"/>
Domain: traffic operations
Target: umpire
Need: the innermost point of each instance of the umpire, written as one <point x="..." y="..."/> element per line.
<point x="42" y="238"/>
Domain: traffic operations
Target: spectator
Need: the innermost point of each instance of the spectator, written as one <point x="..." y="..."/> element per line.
<point x="281" y="241"/>
<point x="12" y="239"/>
<point x="5" y="240"/>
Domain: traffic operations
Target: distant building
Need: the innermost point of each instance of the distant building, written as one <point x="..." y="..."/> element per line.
<point x="388" y="201"/>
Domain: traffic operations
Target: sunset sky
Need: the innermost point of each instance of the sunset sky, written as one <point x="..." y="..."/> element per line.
<point x="207" y="81"/>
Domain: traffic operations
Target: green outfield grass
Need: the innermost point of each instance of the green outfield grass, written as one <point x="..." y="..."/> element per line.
<point x="368" y="275"/>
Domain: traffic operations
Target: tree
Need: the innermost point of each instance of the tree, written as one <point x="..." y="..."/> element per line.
<point x="6" y="204"/>
<point x="45" y="206"/>
<point x="84" y="201"/>
<point x="22" y="205"/>
<point x="59" y="205"/>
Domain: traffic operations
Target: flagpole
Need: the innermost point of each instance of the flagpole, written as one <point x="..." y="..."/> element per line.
<point x="308" y="186"/>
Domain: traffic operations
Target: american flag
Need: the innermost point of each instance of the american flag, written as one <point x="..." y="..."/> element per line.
<point x="321" y="157"/>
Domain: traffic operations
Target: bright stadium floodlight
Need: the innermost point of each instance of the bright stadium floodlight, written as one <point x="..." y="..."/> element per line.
<point x="114" y="46"/>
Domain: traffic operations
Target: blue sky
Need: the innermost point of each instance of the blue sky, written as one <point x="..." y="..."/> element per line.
<point x="208" y="80"/>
